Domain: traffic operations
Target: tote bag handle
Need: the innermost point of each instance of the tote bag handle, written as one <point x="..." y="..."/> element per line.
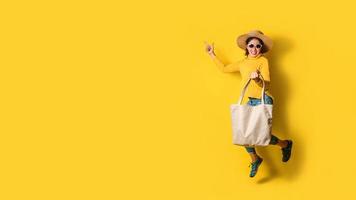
<point x="245" y="87"/>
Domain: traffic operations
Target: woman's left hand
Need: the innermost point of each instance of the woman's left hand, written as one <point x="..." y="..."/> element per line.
<point x="255" y="75"/>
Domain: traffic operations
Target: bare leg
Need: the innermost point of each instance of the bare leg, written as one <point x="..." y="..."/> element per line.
<point x="252" y="153"/>
<point x="254" y="157"/>
<point x="282" y="143"/>
<point x="276" y="141"/>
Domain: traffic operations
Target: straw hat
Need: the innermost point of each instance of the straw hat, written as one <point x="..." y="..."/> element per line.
<point x="241" y="40"/>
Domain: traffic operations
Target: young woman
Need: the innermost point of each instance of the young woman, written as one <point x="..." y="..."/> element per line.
<point x="255" y="44"/>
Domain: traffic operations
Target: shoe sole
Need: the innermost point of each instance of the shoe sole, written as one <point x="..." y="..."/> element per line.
<point x="291" y="145"/>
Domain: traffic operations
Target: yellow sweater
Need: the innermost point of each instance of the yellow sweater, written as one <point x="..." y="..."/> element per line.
<point x="246" y="66"/>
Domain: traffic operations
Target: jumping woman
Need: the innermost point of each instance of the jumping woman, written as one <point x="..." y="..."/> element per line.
<point x="255" y="44"/>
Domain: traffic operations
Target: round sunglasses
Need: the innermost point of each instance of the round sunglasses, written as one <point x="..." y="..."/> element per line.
<point x="258" y="46"/>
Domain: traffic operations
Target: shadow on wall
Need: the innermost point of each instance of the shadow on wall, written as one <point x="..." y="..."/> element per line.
<point x="281" y="92"/>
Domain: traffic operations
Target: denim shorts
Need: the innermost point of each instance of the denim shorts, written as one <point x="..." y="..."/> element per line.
<point x="255" y="101"/>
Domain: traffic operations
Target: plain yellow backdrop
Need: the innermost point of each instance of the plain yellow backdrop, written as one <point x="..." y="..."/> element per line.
<point x="118" y="100"/>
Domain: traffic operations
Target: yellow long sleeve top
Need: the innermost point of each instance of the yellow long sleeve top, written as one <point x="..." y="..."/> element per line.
<point x="246" y="66"/>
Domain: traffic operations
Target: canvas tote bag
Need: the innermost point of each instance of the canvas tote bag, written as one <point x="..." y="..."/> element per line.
<point x="251" y="125"/>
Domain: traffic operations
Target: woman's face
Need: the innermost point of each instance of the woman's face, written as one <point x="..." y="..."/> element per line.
<point x="254" y="47"/>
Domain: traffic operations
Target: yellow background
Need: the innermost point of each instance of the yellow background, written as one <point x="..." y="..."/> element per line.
<point x="118" y="100"/>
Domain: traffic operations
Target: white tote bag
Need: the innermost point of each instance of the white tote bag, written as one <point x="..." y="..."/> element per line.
<point x="251" y="125"/>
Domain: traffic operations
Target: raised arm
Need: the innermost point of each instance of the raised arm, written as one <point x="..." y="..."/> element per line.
<point x="232" y="67"/>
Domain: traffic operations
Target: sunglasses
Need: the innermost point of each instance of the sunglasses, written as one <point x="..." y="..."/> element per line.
<point x="257" y="46"/>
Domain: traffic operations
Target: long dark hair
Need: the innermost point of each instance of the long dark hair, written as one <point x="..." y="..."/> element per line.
<point x="263" y="50"/>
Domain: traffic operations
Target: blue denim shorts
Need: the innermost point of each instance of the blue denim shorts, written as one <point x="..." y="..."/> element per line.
<point x="255" y="101"/>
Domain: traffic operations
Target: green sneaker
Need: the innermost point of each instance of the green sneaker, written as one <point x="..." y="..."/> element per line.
<point x="287" y="151"/>
<point x="254" y="167"/>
